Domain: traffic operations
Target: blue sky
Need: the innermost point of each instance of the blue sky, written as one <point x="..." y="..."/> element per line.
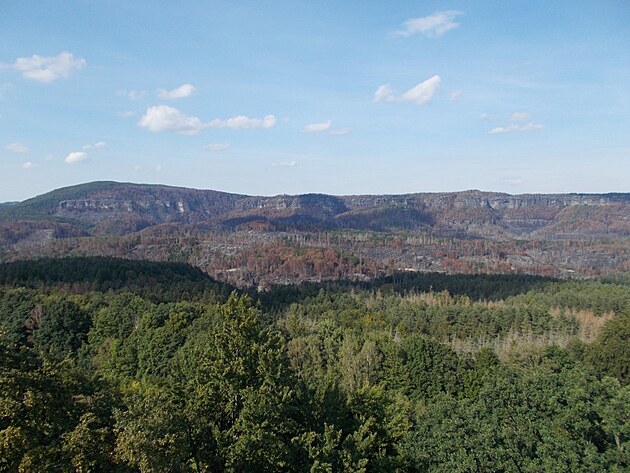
<point x="335" y="97"/>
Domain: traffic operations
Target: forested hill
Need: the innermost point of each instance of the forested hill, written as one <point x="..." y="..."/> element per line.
<point x="106" y="208"/>
<point x="160" y="281"/>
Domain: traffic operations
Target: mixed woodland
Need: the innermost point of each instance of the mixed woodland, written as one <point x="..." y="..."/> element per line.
<point x="112" y="365"/>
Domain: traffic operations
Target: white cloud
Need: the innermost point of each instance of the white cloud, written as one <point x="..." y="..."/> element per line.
<point x="420" y="94"/>
<point x="284" y="164"/>
<point x="520" y="117"/>
<point x="432" y="26"/>
<point x="484" y="116"/>
<point x="217" y="146"/>
<point x="18" y="148"/>
<point x="455" y="95"/>
<point x="384" y="94"/>
<point x="183" y="91"/>
<point x="76" y="157"/>
<point x="164" y="118"/>
<point x="317" y="127"/>
<point x="531" y="126"/>
<point x="47" y="69"/>
<point x="28" y="165"/>
<point x="424" y="91"/>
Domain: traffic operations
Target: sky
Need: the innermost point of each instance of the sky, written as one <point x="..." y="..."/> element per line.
<point x="337" y="97"/>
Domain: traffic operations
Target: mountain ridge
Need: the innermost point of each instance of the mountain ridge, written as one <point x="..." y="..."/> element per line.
<point x="93" y="206"/>
<point x="265" y="240"/>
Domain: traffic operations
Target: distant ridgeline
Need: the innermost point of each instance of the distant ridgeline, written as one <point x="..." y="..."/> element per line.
<point x="95" y="205"/>
<point x="263" y="241"/>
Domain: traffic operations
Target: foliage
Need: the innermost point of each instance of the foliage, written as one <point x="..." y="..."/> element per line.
<point x="319" y="378"/>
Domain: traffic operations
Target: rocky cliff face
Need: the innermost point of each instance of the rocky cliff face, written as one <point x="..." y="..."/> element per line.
<point x="115" y="208"/>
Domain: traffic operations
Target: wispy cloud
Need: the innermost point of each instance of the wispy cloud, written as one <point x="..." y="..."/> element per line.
<point x="76" y="157"/>
<point x="420" y="94"/>
<point x="18" y="148"/>
<point x="217" y="146"/>
<point x="531" y="126"/>
<point x="384" y="93"/>
<point x="317" y="127"/>
<point x="520" y="117"/>
<point x="515" y="125"/>
<point x="183" y="91"/>
<point x="432" y="26"/>
<point x="47" y="69"/>
<point x="284" y="164"/>
<point x="161" y="118"/>
<point x="132" y="94"/>
<point x="97" y="145"/>
<point x="326" y="128"/>
<point x="28" y="165"/>
<point x="240" y="122"/>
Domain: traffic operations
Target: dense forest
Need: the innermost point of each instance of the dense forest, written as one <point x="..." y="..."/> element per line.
<point x="115" y="365"/>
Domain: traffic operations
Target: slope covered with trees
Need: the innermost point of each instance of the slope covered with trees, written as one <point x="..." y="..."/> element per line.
<point x="454" y="373"/>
